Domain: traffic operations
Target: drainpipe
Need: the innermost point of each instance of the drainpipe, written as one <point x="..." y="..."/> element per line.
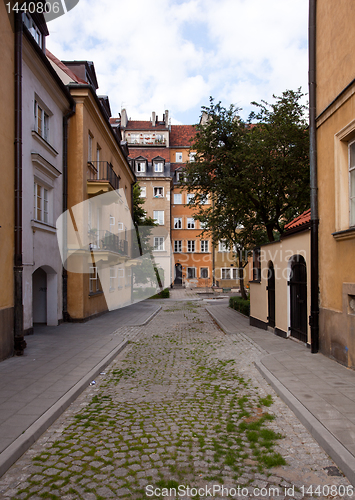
<point x="314" y="317"/>
<point x="19" y="342"/>
<point x="66" y="118"/>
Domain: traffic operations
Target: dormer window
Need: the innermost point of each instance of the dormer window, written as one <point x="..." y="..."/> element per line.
<point x="32" y="28"/>
<point x="140" y="166"/>
<point x="158" y="166"/>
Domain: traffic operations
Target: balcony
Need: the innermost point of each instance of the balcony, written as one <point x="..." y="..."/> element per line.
<point x="102" y="178"/>
<point x="105" y="241"/>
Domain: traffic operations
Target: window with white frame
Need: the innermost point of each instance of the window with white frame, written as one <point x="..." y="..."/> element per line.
<point x="191" y="273"/>
<point x="140" y="166"/>
<point x="158" y="243"/>
<point x="177" y="222"/>
<point x="158" y="166"/>
<point x="112" y="224"/>
<point x="177" y="198"/>
<point x="190" y="245"/>
<point x="90" y="138"/>
<point x="113" y="276"/>
<point x="352" y="183"/>
<point x="158" y="192"/>
<point x="204" y="245"/>
<point x="120" y="277"/>
<point x="94" y="282"/>
<point x="158" y="216"/>
<point x="120" y="226"/>
<point x="203" y="272"/>
<point x="41" y="121"/>
<point x="41" y="203"/>
<point x="190" y="198"/>
<point x="178" y="157"/>
<point x="143" y="191"/>
<point x="133" y="139"/>
<point x="178" y="246"/>
<point x="179" y="176"/>
<point x="204" y="201"/>
<point x="203" y="225"/>
<point x="223" y="246"/>
<point x="192" y="156"/>
<point x="191" y="223"/>
<point x="128" y="277"/>
<point x="32" y="27"/>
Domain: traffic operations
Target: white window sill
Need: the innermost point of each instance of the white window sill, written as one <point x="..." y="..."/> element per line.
<point x="43" y="226"/>
<point x="44" y="143"/>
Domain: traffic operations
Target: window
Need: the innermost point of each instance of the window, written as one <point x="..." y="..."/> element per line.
<point x="204" y="201"/>
<point x="178" y="199"/>
<point x="177" y="246"/>
<point x="225" y="273"/>
<point x="178" y="157"/>
<point x="158" y="192"/>
<point x="203" y="225"/>
<point x="352" y="183"/>
<point x="94" y="282"/>
<point x="204" y="245"/>
<point x="41" y="212"/>
<point x="159" y="139"/>
<point x="256" y="265"/>
<point x="32" y="27"/>
<point x="158" y="243"/>
<point x="190" y="198"/>
<point x="120" y="226"/>
<point x="128" y="277"/>
<point x="191" y="272"/>
<point x="191" y="223"/>
<point x="204" y="272"/>
<point x="112" y="224"/>
<point x="133" y="139"/>
<point x="223" y="246"/>
<point x="191" y="245"/>
<point x="113" y="276"/>
<point x="143" y="191"/>
<point x="178" y="223"/>
<point x="192" y="157"/>
<point x="159" y="166"/>
<point x="90" y="147"/>
<point x="140" y="166"/>
<point x="41" y="121"/>
<point x="120" y="276"/>
<point x="158" y="216"/>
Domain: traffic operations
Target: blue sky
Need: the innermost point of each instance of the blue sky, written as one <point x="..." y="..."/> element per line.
<point x="175" y="54"/>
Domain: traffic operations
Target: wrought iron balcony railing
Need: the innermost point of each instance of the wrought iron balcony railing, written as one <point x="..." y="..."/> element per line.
<point x="103" y="171"/>
<point x="105" y="240"/>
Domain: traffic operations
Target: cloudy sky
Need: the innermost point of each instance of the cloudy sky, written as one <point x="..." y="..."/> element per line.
<point x="175" y="54"/>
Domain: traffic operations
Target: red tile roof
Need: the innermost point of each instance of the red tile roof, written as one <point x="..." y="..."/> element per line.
<point x="149" y="153"/>
<point x="64" y="68"/>
<point x="180" y="135"/>
<point x="304" y="218"/>
<point x="144" y="125"/>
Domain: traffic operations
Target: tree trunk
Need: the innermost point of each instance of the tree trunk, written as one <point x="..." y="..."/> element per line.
<point x="241" y="277"/>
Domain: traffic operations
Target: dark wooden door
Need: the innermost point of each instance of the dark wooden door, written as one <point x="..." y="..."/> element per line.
<point x="271" y="295"/>
<point x="178" y="274"/>
<point x="298" y="298"/>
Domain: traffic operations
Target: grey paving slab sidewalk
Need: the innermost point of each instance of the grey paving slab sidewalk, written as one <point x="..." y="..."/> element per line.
<point x="319" y="390"/>
<point x="59" y="362"/>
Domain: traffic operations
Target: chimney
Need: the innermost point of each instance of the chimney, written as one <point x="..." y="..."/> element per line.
<point x="166" y="118"/>
<point x="124" y="119"/>
<point x="153" y="118"/>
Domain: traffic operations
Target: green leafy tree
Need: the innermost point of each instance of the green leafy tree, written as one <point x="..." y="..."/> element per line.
<point x="256" y="172"/>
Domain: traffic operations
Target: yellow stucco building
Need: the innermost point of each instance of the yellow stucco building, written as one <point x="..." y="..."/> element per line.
<point x="335" y="121"/>
<point x="7" y="167"/>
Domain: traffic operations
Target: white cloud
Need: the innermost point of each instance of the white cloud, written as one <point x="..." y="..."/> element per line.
<point x="173" y="55"/>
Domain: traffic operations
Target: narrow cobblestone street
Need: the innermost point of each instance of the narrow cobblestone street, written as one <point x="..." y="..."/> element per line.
<point x="183" y="404"/>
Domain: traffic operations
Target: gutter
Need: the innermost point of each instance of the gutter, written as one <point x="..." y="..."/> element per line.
<point x="19" y="341"/>
<point x="314" y="317"/>
<point x="65" y="206"/>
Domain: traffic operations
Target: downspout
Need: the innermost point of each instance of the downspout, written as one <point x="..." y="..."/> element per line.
<point x="65" y="208"/>
<point x="314" y="317"/>
<point x="19" y="342"/>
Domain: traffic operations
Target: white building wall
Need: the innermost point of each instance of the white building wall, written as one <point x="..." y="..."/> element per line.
<point x="42" y="163"/>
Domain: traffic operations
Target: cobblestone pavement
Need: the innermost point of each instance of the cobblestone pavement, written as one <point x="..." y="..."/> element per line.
<point x="182" y="405"/>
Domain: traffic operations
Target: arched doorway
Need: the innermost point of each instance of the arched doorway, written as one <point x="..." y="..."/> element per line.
<point x="45" y="296"/>
<point x="178" y="274"/>
<point x="271" y="294"/>
<point x="298" y="298"/>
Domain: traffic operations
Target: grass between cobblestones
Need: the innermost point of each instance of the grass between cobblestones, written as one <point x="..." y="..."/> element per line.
<point x="171" y="410"/>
